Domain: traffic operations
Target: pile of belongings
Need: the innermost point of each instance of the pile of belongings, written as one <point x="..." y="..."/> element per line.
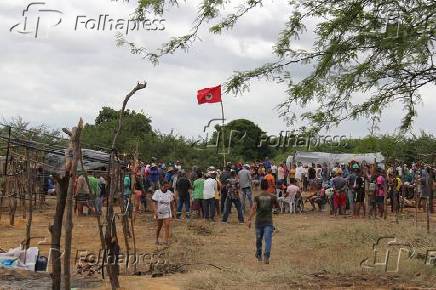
<point x="19" y="258"/>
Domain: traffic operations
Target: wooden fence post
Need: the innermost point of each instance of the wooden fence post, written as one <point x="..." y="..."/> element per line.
<point x="75" y="147"/>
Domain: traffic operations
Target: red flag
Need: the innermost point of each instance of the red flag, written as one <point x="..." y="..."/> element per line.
<point x="209" y="95"/>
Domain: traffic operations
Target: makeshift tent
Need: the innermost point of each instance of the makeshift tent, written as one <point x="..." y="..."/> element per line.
<point x="92" y="160"/>
<point x="332" y="158"/>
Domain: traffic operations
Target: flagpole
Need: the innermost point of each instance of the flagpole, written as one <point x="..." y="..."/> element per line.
<point x="222" y="133"/>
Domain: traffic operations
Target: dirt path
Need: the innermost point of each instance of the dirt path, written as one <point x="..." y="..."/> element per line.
<point x="309" y="251"/>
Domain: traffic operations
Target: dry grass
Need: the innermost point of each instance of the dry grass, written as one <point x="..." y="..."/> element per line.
<point x="310" y="251"/>
<point x="306" y="245"/>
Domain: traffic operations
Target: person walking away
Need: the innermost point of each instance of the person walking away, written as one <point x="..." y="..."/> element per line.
<point x="197" y="194"/>
<point x="232" y="198"/>
<point x="262" y="208"/>
<point x="245" y="185"/>
<point x="163" y="208"/>
<point x="183" y="186"/>
<point x="210" y="187"/>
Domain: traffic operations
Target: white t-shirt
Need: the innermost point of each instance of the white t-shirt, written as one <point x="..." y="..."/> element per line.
<point x="274" y="169"/>
<point x="299" y="172"/>
<point x="292" y="192"/>
<point x="210" y="186"/>
<point x="163" y="200"/>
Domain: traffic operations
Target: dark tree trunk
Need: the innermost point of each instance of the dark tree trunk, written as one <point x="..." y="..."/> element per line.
<point x="56" y="231"/>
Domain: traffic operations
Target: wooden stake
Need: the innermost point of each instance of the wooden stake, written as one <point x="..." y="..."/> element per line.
<point x="13" y="196"/>
<point x="75" y="149"/>
<point x="110" y="235"/>
<point x="416" y="205"/>
<point x="29" y="198"/>
<point x="100" y="226"/>
<point x="428" y="214"/>
<point x="56" y="230"/>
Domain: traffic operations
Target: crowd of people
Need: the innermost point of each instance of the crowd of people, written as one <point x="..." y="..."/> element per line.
<point x="171" y="191"/>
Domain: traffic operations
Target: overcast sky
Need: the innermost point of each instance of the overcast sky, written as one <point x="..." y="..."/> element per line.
<point x="65" y="73"/>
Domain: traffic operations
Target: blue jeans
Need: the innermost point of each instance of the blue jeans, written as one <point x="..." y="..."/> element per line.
<point x="184" y="201"/>
<point x="209" y="208"/>
<point x="264" y="232"/>
<point x="246" y="193"/>
<point x="228" y="206"/>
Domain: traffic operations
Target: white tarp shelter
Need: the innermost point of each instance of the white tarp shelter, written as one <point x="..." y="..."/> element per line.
<point x="332" y="158"/>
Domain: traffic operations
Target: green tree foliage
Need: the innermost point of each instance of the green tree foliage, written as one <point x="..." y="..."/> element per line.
<point x="136" y="128"/>
<point x="246" y="138"/>
<point x="242" y="139"/>
<point x="39" y="137"/>
<point x="380" y="50"/>
<point x="137" y="131"/>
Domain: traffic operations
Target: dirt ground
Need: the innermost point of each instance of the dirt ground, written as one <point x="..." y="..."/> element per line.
<point x="310" y="251"/>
